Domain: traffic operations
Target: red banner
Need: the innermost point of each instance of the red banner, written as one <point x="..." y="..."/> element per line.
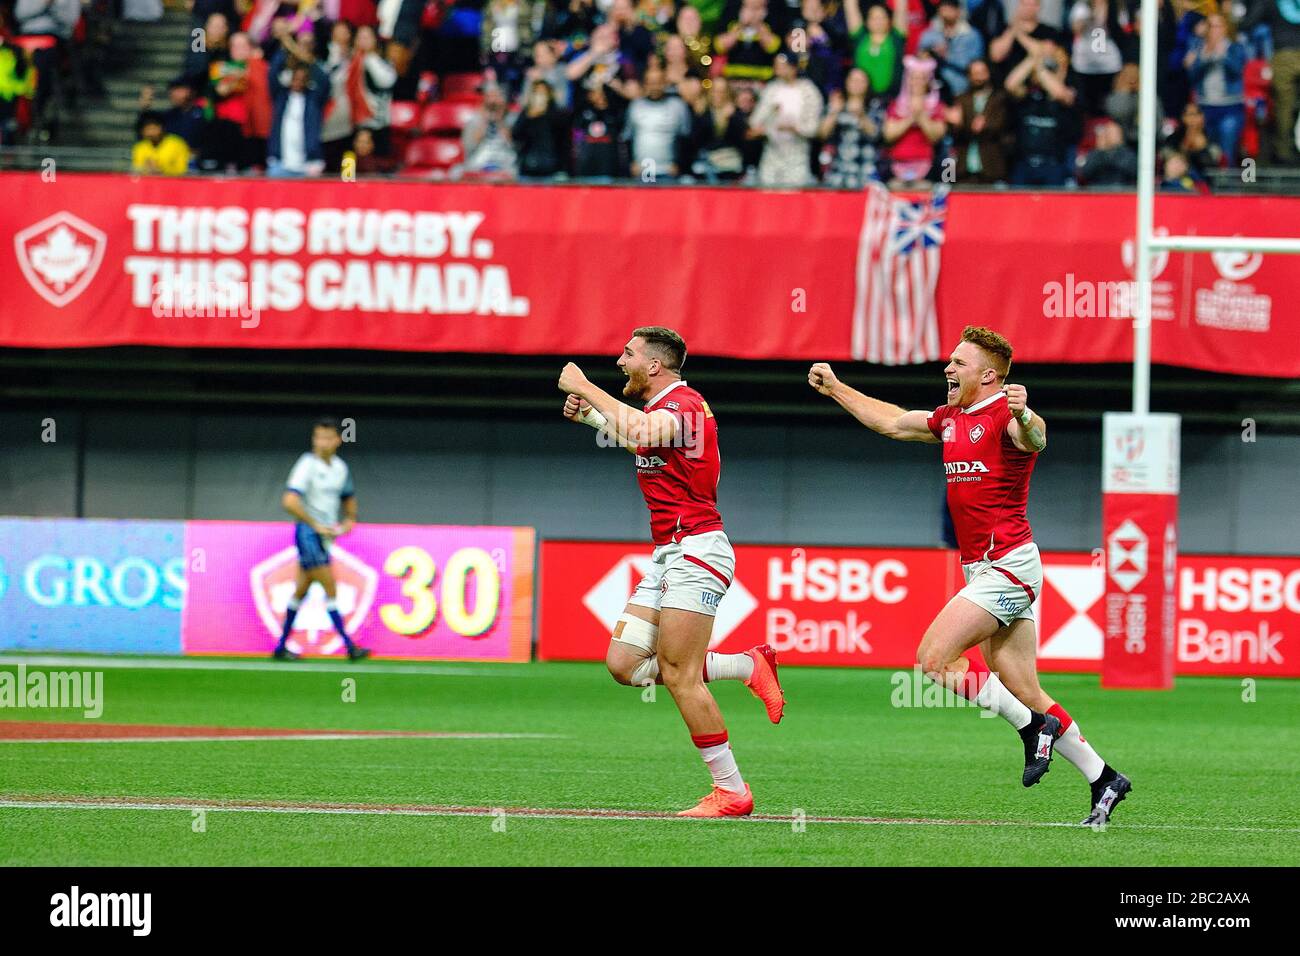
<point x="868" y="607"/>
<point x="109" y="260"/>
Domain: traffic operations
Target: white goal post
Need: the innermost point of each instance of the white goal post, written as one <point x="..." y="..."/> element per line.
<point x="1147" y="243"/>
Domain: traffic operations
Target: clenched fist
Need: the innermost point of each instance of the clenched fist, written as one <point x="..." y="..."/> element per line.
<point x="574" y="407"/>
<point x="822" y="378"/>
<point x="1017" y="398"/>
<point x="572" y="380"/>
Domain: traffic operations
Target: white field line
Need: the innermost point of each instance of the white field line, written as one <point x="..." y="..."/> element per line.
<point x="110" y="662"/>
<point x="543" y="813"/>
<point x="449" y="735"/>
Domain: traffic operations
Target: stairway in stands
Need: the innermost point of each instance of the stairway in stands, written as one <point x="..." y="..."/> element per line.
<point x="142" y="54"/>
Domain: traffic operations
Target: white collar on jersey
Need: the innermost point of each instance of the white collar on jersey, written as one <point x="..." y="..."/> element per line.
<point x="987" y="401"/>
<point x="676" y="384"/>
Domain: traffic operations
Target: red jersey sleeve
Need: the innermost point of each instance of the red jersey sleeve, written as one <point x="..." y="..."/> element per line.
<point x="935" y="421"/>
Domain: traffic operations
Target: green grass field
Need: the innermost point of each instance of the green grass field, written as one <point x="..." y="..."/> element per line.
<point x="1215" y="778"/>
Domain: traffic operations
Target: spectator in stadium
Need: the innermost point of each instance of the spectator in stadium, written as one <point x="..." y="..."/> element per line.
<point x="635" y="42"/>
<point x="599" y="62"/>
<point x="337" y="128"/>
<point x="158" y="152"/>
<point x="1122" y="103"/>
<point x="788" y="113"/>
<point x="367" y="161"/>
<point x="183" y="116"/>
<point x="746" y="102"/>
<point x="699" y="45"/>
<point x="597" y="128"/>
<point x="1190" y="138"/>
<point x="226" y="92"/>
<point x="954" y="44"/>
<point x="824" y="42"/>
<point x="300" y="91"/>
<point x="914" y="124"/>
<point x="676" y="61"/>
<point x="1111" y="162"/>
<point x="854" y="129"/>
<point x="878" y="45"/>
<point x="200" y="10"/>
<point x="540" y="134"/>
<point x="656" y="123"/>
<point x="1176" y="176"/>
<point x="199" y="57"/>
<point x="749" y="44"/>
<point x="691" y="92"/>
<point x="722" y="149"/>
<point x="547" y="67"/>
<point x="486" y="138"/>
<point x="17" y="81"/>
<point x="1098" y="26"/>
<point x="1022" y="38"/>
<point x="375" y="77"/>
<point x="1283" y="16"/>
<point x="256" y="126"/>
<point x="980" y="121"/>
<point x="1046" y="122"/>
<point x="988" y="17"/>
<point x="1215" y="66"/>
<point x="507" y="31"/>
<point x="56" y="18"/>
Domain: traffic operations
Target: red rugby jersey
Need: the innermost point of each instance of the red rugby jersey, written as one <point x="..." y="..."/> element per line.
<point x="680" y="481"/>
<point x="988" y="478"/>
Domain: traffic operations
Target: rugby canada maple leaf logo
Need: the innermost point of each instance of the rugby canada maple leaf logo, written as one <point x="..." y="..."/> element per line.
<point x="59" y="256"/>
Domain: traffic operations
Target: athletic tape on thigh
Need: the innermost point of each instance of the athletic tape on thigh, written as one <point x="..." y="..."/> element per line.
<point x="634" y="630"/>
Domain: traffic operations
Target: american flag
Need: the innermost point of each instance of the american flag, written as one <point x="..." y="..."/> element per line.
<point x="894" y="321"/>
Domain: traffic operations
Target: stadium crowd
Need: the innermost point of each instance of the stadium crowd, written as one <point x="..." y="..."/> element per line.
<point x="777" y="92"/>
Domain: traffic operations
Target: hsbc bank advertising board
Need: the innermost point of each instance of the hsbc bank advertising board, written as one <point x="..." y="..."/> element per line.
<point x="868" y="607"/>
<point x="221" y="587"/>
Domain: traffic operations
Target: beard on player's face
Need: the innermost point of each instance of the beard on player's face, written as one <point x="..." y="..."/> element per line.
<point x="962" y="384"/>
<point x="638" y="382"/>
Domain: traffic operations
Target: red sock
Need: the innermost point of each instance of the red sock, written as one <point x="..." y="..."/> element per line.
<point x="976" y="674"/>
<point x="1057" y="711"/>
<point x="709" y="740"/>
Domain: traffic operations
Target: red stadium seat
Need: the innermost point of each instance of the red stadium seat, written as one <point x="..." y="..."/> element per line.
<point x="430" y="154"/>
<point x="404" y="114"/>
<point x="34" y="42"/>
<point x="445" y="117"/>
<point x="462" y="87"/>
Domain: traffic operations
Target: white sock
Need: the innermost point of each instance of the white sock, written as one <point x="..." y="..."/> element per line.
<point x="722" y="764"/>
<point x="728" y="666"/>
<point x="994" y="696"/>
<point x="646" y="671"/>
<point x="1079" y="752"/>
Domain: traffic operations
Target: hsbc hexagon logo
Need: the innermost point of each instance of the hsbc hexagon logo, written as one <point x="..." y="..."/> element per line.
<point x="1127" y="555"/>
<point x="59" y="256"/>
<point x="1079" y="587"/>
<point x="609" y="595"/>
<point x="272" y="584"/>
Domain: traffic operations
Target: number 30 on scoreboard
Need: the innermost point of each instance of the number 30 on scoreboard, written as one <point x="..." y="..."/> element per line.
<point x="417" y="571"/>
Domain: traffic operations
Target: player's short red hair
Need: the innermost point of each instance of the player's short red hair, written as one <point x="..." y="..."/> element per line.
<point x="995" y="346"/>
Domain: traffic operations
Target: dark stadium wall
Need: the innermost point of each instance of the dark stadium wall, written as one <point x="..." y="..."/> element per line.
<point x="787" y="482"/>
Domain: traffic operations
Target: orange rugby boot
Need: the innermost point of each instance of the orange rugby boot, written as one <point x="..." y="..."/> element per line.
<point x="764" y="683"/>
<point x="723" y="803"/>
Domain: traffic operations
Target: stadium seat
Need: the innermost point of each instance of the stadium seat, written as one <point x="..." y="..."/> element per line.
<point x="445" y="117"/>
<point x="431" y="154"/>
<point x="462" y="87"/>
<point x="34" y="42"/>
<point x="404" y="115"/>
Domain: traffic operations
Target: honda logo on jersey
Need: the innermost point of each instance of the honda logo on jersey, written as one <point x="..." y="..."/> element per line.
<point x="649" y="461"/>
<point x="964" y="467"/>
